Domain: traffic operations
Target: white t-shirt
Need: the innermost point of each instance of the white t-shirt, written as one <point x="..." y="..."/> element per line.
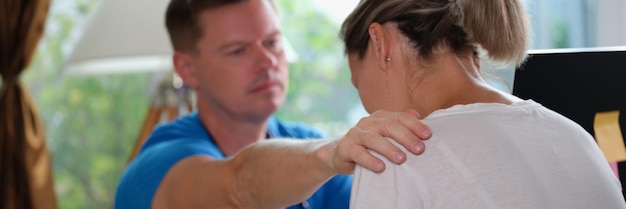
<point x="495" y="156"/>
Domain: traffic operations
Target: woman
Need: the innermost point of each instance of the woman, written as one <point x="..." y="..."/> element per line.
<point x="489" y="149"/>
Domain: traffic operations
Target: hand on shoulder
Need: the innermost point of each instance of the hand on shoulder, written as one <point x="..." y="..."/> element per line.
<point x="369" y="133"/>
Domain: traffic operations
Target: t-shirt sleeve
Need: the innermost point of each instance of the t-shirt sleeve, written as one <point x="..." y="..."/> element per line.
<point x="333" y="194"/>
<point x="144" y="175"/>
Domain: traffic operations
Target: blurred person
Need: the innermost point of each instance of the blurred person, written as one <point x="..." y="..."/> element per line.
<point x="489" y="149"/>
<point x="230" y="53"/>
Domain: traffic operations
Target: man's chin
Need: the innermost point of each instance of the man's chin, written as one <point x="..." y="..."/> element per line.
<point x="274" y="101"/>
<point x="264" y="111"/>
<point x="272" y="108"/>
<point x="268" y="104"/>
<point x="260" y="117"/>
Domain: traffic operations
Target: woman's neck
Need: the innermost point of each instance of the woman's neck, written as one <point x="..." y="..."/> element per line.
<point x="454" y="80"/>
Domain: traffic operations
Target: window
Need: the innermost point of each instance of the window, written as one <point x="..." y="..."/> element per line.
<point x="92" y="122"/>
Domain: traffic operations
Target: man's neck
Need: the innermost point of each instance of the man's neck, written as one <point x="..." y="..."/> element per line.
<point x="232" y="134"/>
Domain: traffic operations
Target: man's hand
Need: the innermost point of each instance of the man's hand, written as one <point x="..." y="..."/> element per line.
<point x="370" y="132"/>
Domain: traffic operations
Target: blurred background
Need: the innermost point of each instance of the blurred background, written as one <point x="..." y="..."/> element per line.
<point x="92" y="121"/>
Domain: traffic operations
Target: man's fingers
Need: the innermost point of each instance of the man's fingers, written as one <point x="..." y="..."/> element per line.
<point x="410" y="119"/>
<point x="416" y="125"/>
<point x="408" y="131"/>
<point x="414" y="113"/>
<point x="374" y="123"/>
<point x="367" y="160"/>
<point x="379" y="144"/>
<point x="403" y="127"/>
<point x="370" y="135"/>
<point x="358" y="149"/>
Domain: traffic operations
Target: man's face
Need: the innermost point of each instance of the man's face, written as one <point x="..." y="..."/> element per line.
<point x="240" y="67"/>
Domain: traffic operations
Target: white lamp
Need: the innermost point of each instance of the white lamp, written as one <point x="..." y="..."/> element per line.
<point x="123" y="36"/>
<point x="126" y="36"/>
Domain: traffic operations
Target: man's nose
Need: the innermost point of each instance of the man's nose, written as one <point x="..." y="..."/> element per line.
<point x="268" y="58"/>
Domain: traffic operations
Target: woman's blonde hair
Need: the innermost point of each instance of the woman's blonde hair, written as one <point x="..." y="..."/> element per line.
<point x="500" y="27"/>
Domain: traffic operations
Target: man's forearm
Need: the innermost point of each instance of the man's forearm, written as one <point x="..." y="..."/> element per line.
<point x="276" y="173"/>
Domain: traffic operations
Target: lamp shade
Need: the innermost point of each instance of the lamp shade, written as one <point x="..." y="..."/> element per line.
<point x="127" y="36"/>
<point x="123" y="36"/>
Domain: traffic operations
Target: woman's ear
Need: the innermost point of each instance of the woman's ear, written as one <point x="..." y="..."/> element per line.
<point x="379" y="43"/>
<point x="184" y="68"/>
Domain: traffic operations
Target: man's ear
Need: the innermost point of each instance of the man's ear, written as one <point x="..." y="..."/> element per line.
<point x="185" y="69"/>
<point x="379" y="43"/>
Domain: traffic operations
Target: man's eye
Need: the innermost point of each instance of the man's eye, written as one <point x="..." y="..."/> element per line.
<point x="238" y="51"/>
<point x="271" y="43"/>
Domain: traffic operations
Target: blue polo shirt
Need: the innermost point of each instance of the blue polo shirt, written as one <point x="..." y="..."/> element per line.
<point x="185" y="137"/>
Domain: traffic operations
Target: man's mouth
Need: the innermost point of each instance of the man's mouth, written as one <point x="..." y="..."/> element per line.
<point x="265" y="86"/>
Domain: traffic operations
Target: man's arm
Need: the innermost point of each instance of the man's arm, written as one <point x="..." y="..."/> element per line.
<point x="278" y="173"/>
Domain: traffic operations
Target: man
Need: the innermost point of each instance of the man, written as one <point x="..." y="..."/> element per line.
<point x="230" y="52"/>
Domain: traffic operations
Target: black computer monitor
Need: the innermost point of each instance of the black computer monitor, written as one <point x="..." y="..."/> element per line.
<point x="578" y="83"/>
<point x="575" y="83"/>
